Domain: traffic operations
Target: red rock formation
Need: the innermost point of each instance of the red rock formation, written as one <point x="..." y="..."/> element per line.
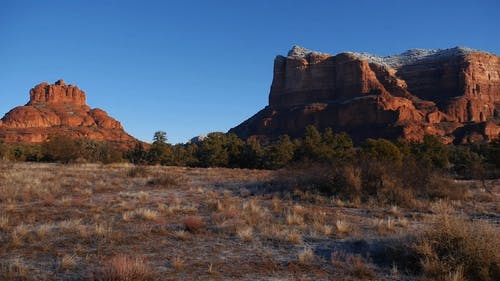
<point x="60" y="109"/>
<point x="57" y="93"/>
<point x="452" y="93"/>
<point x="465" y="87"/>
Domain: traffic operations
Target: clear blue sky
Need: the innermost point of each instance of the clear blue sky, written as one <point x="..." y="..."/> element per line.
<point x="193" y="67"/>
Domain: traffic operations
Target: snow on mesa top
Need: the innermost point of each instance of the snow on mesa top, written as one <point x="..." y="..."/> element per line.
<point x="298" y="51"/>
<point x="395" y="61"/>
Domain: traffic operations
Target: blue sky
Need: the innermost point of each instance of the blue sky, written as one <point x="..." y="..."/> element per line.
<point x="193" y="67"/>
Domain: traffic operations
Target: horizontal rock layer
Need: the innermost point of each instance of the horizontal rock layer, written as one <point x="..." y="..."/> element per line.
<point x="452" y="93"/>
<point x="60" y="109"/>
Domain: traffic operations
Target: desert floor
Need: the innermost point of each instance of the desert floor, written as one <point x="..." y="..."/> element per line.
<point x="102" y="222"/>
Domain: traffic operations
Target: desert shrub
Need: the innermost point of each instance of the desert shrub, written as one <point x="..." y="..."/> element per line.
<point x="491" y="152"/>
<point x="138" y="155"/>
<point x="413" y="179"/>
<point x="14" y="270"/>
<point x="382" y="150"/>
<point x="351" y="182"/>
<point x="442" y="186"/>
<point x="93" y="151"/>
<point x="324" y="148"/>
<point x="280" y="153"/>
<point x="98" y="151"/>
<point x="385" y="181"/>
<point x="64" y="149"/>
<point x="166" y="180"/>
<point x="431" y="152"/>
<point x="194" y="224"/>
<point x="356" y="265"/>
<point x="4" y="150"/>
<point x="60" y="148"/>
<point x="138" y="171"/>
<point x="310" y="147"/>
<point x="344" y="181"/>
<point x="20" y="152"/>
<point x="388" y="182"/>
<point x="303" y="176"/>
<point x="467" y="163"/>
<point x="394" y="192"/>
<point x="478" y="161"/>
<point x="452" y="245"/>
<point x="339" y="146"/>
<point x="122" y="267"/>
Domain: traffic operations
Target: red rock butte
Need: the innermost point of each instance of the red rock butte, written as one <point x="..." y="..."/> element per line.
<point x="59" y="92"/>
<point x="60" y="109"/>
<point x="451" y="93"/>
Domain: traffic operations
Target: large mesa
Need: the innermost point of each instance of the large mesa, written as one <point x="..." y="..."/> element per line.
<point x="451" y="93"/>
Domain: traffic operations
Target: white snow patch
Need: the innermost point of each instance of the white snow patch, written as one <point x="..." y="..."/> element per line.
<point x="414" y="55"/>
<point x="298" y="51"/>
<point x="396" y="61"/>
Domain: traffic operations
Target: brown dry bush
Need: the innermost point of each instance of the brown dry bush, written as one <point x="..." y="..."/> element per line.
<point x="166" y="180"/>
<point x="393" y="192"/>
<point x="345" y="181"/>
<point x="138" y="171"/>
<point x="126" y="268"/>
<point x="385" y="182"/>
<point x="348" y="182"/>
<point x="440" y="186"/>
<point x="388" y="183"/>
<point x="194" y="224"/>
<point x="428" y="183"/>
<point x="14" y="270"/>
<point x="466" y="249"/>
<point x="356" y="265"/>
<point x="360" y="268"/>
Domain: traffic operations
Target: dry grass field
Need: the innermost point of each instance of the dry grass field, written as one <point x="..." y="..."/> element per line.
<point x="121" y="222"/>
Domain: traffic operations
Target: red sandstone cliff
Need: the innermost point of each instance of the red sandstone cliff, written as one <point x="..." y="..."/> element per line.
<point x="60" y="109"/>
<point x="452" y="93"/>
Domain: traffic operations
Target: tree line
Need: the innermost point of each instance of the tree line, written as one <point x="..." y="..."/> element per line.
<point x="228" y="150"/>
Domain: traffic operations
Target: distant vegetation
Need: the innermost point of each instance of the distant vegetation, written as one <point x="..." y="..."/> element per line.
<point x="400" y="172"/>
<point x="63" y="149"/>
<point x="327" y="148"/>
<point x="479" y="161"/>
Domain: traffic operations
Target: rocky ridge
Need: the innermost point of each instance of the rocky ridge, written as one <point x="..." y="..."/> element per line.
<point x="452" y="93"/>
<point x="415" y="55"/>
<point x="60" y="109"/>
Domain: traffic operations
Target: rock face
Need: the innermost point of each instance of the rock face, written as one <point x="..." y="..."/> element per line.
<point x="452" y="93"/>
<point x="60" y="109"/>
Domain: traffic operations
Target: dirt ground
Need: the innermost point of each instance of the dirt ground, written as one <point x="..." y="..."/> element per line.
<point x="95" y="222"/>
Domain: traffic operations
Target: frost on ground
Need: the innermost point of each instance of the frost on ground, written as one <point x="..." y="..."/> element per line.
<point x="112" y="222"/>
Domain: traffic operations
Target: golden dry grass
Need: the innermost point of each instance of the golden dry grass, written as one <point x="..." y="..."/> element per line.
<point x="123" y="267"/>
<point x="120" y="222"/>
<point x="459" y="249"/>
